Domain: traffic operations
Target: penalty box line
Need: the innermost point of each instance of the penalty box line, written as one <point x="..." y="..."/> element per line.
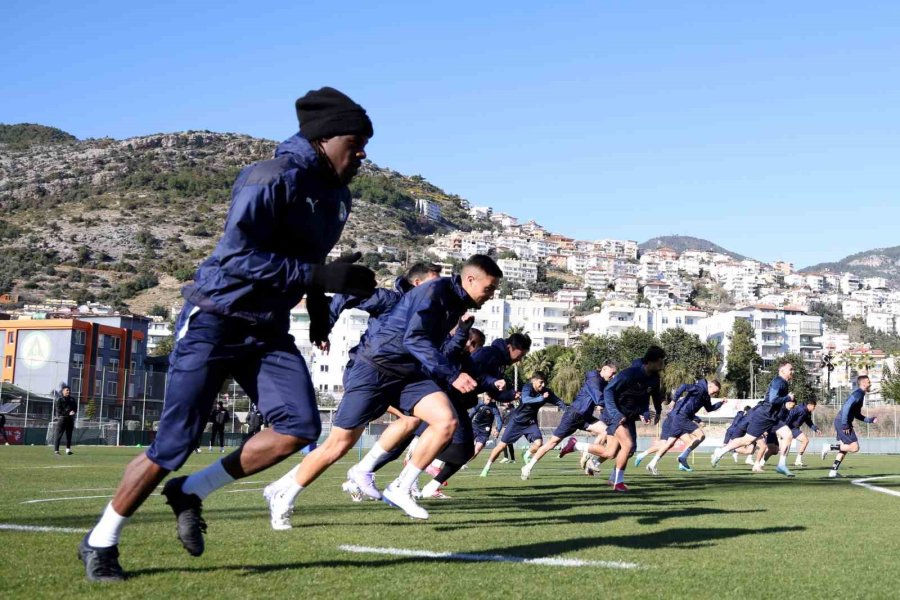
<point x="465" y="557"/>
<point x="865" y="484"/>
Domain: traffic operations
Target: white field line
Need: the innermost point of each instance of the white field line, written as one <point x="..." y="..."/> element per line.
<point x="14" y="527"/>
<point x="549" y="561"/>
<point x="865" y="483"/>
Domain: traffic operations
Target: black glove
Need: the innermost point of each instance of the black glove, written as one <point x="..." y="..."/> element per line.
<point x="343" y="277"/>
<point x="466" y="324"/>
<point x="319" y="317"/>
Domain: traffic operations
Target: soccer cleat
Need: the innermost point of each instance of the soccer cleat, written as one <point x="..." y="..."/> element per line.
<point x="832" y="474"/>
<point x="637" y="460"/>
<point x="485" y="471"/>
<point x="749" y="460"/>
<point x="583" y="461"/>
<point x="504" y="460"/>
<point x="799" y="463"/>
<point x="568" y="448"/>
<point x="825" y="449"/>
<point x="756" y="468"/>
<point x="401" y="499"/>
<point x="188" y="509"/>
<point x="464" y="467"/>
<point x="526" y="458"/>
<point x="279" y="510"/>
<point x="684" y="466"/>
<point x="716" y="457"/>
<point x="651" y="468"/>
<point x="365" y="481"/>
<point x="56" y="452"/>
<point x="432" y="470"/>
<point x="439" y="495"/>
<point x="100" y="564"/>
<point x="415" y="491"/>
<point x="69" y="452"/>
<point x="734" y="455"/>
<point x="525" y="472"/>
<point x="784" y="471"/>
<point x="620" y="487"/>
<point x="352" y="489"/>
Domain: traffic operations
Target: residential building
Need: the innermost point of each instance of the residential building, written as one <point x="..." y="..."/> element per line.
<point x="546" y="322"/>
<point x="519" y="271"/>
<point x="428" y="209"/>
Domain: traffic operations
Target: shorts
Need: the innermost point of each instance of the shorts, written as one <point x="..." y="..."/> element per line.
<point x="676" y="426"/>
<point x="514" y="431"/>
<point x="761" y="423"/>
<point x="572" y="421"/>
<point x="481" y="434"/>
<point x="263" y="360"/>
<point x="795" y="431"/>
<point x="844" y="438"/>
<point x="370" y="391"/>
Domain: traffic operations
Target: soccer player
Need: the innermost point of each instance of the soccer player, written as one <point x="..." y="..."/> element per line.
<point x="802" y="415"/>
<point x="484" y="416"/>
<point x="579" y="415"/>
<point x="400" y="364"/>
<point x="524" y="420"/>
<point x="737" y="429"/>
<point x="682" y="421"/>
<point x="286" y="215"/>
<point x="765" y="417"/>
<point x="626" y="399"/>
<point x="843" y="425"/>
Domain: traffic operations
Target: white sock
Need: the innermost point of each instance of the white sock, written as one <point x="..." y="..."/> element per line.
<point x="407" y="477"/>
<point x="367" y="464"/>
<point x="782" y="460"/>
<point x="582" y="446"/>
<point x="620" y="475"/>
<point x="654" y="462"/>
<point x="107" y="530"/>
<point x="291" y="491"/>
<point x="643" y="455"/>
<point x="430" y="488"/>
<point x="437" y="464"/>
<point x="205" y="482"/>
<point x="412" y="446"/>
<point x="287" y="478"/>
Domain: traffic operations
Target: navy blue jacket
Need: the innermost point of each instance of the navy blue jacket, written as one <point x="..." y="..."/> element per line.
<point x="379" y="303"/>
<point x="285" y="218"/>
<point x="531" y="403"/>
<point x="776" y="396"/>
<point x="630" y="391"/>
<point x="485" y="414"/>
<point x="852" y="409"/>
<point x="491" y="362"/>
<point x="799" y="415"/>
<point x="408" y="341"/>
<point x="740" y="419"/>
<point x="696" y="396"/>
<point x="590" y="395"/>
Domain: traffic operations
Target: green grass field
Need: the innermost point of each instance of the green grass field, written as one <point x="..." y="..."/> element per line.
<point x="721" y="533"/>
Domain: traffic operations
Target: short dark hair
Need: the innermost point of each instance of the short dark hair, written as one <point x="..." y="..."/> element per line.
<point x="812" y="401"/>
<point x="653" y="354"/>
<point x="611" y="364"/>
<point x="539" y="375"/>
<point x="860" y="378"/>
<point x="485" y="264"/>
<point x="746" y="408"/>
<point x="784" y="361"/>
<point x="421" y="270"/>
<point x="716" y="381"/>
<point x="476" y="337"/>
<point x="64" y="388"/>
<point x="519" y="341"/>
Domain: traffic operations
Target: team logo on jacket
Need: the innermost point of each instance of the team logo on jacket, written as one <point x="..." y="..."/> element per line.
<point x="342" y="211"/>
<point x="312" y="204"/>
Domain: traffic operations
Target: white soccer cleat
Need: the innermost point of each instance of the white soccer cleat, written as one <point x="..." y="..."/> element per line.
<point x="832" y="474"/>
<point x="525" y="472"/>
<point x="404" y="501"/>
<point x="799" y="463"/>
<point x="826" y="448"/>
<point x="749" y="460"/>
<point x="439" y="495"/>
<point x="585" y="457"/>
<point x="716" y="457"/>
<point x="734" y="455"/>
<point x="651" y="468"/>
<point x="365" y="481"/>
<point x="280" y="510"/>
<point x="756" y="469"/>
<point x="352" y="489"/>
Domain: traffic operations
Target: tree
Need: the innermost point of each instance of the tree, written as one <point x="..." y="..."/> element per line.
<point x="890" y="385"/>
<point x="743" y="359"/>
<point x="566" y="380"/>
<point x="164" y="347"/>
<point x="159" y="310"/>
<point x="597" y="350"/>
<point x="633" y="344"/>
<point x="686" y="356"/>
<point x="800" y="384"/>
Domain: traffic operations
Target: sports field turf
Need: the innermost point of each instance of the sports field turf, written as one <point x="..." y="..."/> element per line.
<point x="722" y="533"/>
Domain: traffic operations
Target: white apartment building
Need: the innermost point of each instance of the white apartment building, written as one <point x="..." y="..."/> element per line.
<point x="615" y="317"/>
<point x="596" y="280"/>
<point x="430" y="210"/>
<point x="873" y="283"/>
<point x="519" y="271"/>
<point x="158" y="329"/>
<point x="853" y="309"/>
<point x="880" y="321"/>
<point x="624" y="249"/>
<point x="577" y="263"/>
<point x="544" y="321"/>
<point x="626" y="285"/>
<point x="850" y="283"/>
<point x="571" y="297"/>
<point x="482" y="213"/>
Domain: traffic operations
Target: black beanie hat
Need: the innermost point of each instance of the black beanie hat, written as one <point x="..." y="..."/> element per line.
<point x="327" y="112"/>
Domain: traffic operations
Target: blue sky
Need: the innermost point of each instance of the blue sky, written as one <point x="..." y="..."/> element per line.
<point x="771" y="128"/>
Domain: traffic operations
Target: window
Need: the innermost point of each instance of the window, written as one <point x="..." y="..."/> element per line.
<point x="12" y="336"/>
<point x="323" y="368"/>
<point x="98" y="386"/>
<point x="135" y="346"/>
<point x="79" y="337"/>
<point x="9" y="361"/>
<point x="112" y="387"/>
<point x="133" y="367"/>
<point x="113" y="364"/>
<point x="76" y="386"/>
<point x="78" y="361"/>
<point x="115" y="343"/>
<point x="101" y="340"/>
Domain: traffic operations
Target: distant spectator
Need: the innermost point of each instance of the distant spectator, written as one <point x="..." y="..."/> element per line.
<point x="65" y="419"/>
<point x="3" y="428"/>
<point x="218" y="418"/>
<point x="254" y="421"/>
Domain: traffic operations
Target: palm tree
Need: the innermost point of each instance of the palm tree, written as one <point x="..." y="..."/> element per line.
<point x="537" y="361"/>
<point x="675" y="374"/>
<point x="566" y="380"/>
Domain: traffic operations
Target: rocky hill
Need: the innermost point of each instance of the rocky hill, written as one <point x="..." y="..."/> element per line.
<point x="880" y="262"/>
<point x="680" y="243"/>
<point x="126" y="221"/>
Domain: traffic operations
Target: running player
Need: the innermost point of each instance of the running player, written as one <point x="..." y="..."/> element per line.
<point x="843" y="425"/>
<point x="802" y="415"/>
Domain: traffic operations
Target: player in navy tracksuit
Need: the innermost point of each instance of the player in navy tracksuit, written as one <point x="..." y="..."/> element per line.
<point x="401" y="364"/>
<point x="524" y="420"/>
<point x="802" y="415"/>
<point x="286" y="215"/>
<point x="485" y="416"/>
<point x="625" y="400"/>
<point x="737" y="429"/>
<point x="579" y="415"/>
<point x="843" y="425"/>
<point x="764" y="418"/>
<point x="682" y="421"/>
